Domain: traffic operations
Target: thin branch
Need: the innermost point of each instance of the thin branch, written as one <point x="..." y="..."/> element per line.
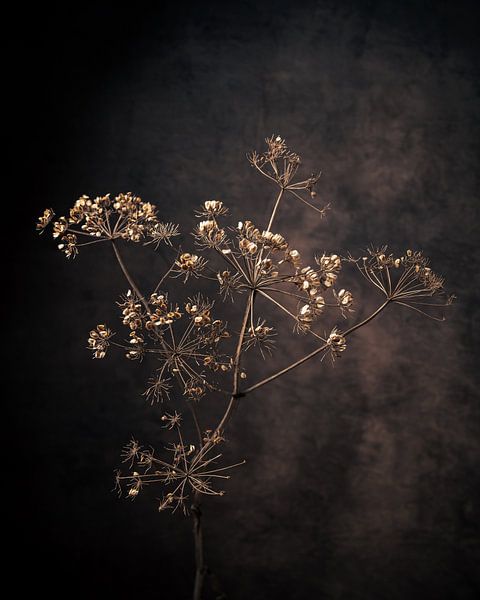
<point x="196" y="422"/>
<point x="290" y="313"/>
<point x="132" y="283"/>
<point x="312" y="354"/>
<point x="319" y="210"/>
<point x="236" y="367"/>
<point x="157" y="287"/>
<point x="275" y="208"/>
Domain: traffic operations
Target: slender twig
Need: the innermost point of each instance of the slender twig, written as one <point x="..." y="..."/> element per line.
<point x="200" y="568"/>
<point x="157" y="287"/>
<point x="299" y="362"/>
<point x="236" y="367"/>
<point x="128" y="277"/>
<point x="289" y="313"/>
<point x="275" y="208"/>
<point x="319" y="210"/>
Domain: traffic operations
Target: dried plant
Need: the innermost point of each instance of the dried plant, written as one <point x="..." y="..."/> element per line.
<point x="194" y="352"/>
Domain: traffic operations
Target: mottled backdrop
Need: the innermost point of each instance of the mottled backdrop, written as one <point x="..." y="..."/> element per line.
<point x="361" y="479"/>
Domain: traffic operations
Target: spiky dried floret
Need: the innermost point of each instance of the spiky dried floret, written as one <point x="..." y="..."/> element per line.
<point x="161" y="232"/>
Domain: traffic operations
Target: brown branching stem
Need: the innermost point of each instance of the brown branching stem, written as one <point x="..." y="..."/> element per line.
<point x="248" y="309"/>
<point x="200" y="568"/>
<point x="251" y="265"/>
<point x="196" y="511"/>
<point x="236" y="367"/>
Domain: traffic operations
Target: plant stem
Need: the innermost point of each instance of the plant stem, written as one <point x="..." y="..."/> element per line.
<point x="299" y="362"/>
<point x="368" y="319"/>
<point x="236" y="366"/>
<point x="132" y="283"/>
<point x="200" y="568"/>
<point x="274" y="211"/>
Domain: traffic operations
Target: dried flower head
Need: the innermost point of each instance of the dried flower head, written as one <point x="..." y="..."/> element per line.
<point x="158" y="389"/>
<point x="345" y="301"/>
<point x="209" y="235"/>
<point x="45" y="219"/>
<point x="132" y="311"/>
<point x="189" y="264"/>
<point x="337" y="343"/>
<point x="331" y="263"/>
<point x="229" y="283"/>
<point x="260" y="336"/>
<point x="60" y="227"/>
<point x="131" y="451"/>
<point x="212" y="209"/>
<point x="161" y="232"/>
<point x="187" y="471"/>
<point x="406" y="280"/>
<point x="172" y="420"/>
<point x="98" y="341"/>
<point x="68" y="245"/>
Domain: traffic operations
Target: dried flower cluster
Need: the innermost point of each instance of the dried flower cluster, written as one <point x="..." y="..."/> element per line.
<point x="98" y="341"/>
<point x="126" y="217"/>
<point x="406" y="280"/>
<point x="193" y="352"/>
<point x="264" y="262"/>
<point x="185" y="342"/>
<point x="186" y="471"/>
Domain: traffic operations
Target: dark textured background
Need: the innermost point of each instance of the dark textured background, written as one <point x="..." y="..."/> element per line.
<point x="362" y="479"/>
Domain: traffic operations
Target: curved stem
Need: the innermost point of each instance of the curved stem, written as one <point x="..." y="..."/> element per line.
<point x="319" y="210"/>
<point x="236" y="372"/>
<point x="368" y="319"/>
<point x="128" y="277"/>
<point x="314" y="353"/>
